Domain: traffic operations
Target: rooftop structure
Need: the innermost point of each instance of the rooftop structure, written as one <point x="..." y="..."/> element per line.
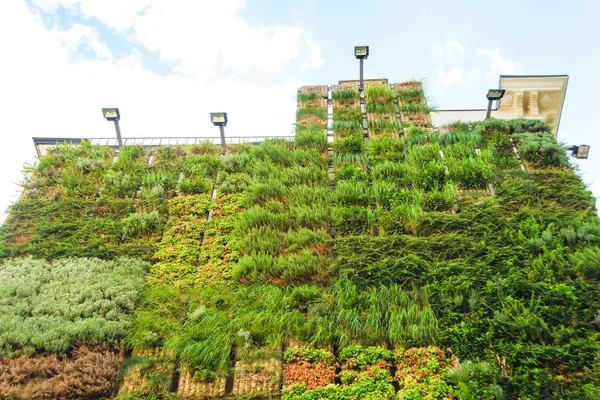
<point x="527" y="96"/>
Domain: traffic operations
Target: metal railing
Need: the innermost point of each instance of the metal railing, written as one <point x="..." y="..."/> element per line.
<point x="159" y="141"/>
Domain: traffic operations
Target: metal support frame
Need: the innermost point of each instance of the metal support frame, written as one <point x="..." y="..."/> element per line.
<point x="118" y="130"/>
<point x="361" y="62"/>
<point x="489" y="110"/>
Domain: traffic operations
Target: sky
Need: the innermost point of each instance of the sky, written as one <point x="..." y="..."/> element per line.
<point x="167" y="63"/>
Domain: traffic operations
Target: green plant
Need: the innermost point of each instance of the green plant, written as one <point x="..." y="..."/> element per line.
<point x="141" y="223"/>
<point x="319" y="113"/>
<point x="344" y="94"/>
<point x="411" y="94"/>
<point x="303" y="97"/>
<point x="378" y="108"/>
<point x="415" y="108"/>
<point x="541" y="149"/>
<point x="381" y="94"/>
<point x="349" y="144"/>
<point x="70" y="301"/>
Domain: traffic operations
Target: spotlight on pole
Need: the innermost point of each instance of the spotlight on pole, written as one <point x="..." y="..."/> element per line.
<point x="361" y="52"/>
<point x="112" y="114"/>
<point x="493" y="94"/>
<point x="220" y="119"/>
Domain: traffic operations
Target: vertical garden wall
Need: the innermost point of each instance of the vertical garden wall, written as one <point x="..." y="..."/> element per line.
<point x="394" y="260"/>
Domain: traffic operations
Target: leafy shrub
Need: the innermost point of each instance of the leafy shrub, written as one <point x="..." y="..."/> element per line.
<point x="523" y="125"/>
<point x="385" y="148"/>
<point x="360" y="357"/>
<point x="477" y="380"/>
<point x="50" y="307"/>
<point x="541" y="149"/>
<point x="350" y="144"/>
<point x="141" y="223"/>
<point x="310" y="139"/>
<point x="307" y="354"/>
<point x="195" y="186"/>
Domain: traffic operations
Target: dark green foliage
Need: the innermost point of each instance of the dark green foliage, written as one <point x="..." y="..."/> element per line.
<point x="352" y="220"/>
<point x="80" y="228"/>
<point x="522" y="125"/>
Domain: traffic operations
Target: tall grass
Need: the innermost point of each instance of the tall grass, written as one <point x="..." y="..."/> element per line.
<point x="317" y="112"/>
<point x="415" y="108"/>
<point x="381" y="94"/>
<point x="411" y="94"/>
<point x="384" y="314"/>
<point x="309" y="96"/>
<point x="344" y="94"/>
<point x="350" y="193"/>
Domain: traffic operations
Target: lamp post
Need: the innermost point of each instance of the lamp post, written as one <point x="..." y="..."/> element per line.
<point x="580" y="152"/>
<point x="112" y="114"/>
<point x="361" y="52"/>
<point x="493" y="94"/>
<point x="220" y="119"/>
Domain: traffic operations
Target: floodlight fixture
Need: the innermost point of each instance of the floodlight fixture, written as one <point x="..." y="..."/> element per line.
<point x="361" y="52"/>
<point x="580" y="152"/>
<point x="493" y="94"/>
<point x="220" y="119"/>
<point x="112" y="114"/>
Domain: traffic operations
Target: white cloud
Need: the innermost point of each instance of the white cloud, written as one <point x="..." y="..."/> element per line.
<point x="199" y="45"/>
<point x="452" y="45"/>
<point x="499" y="64"/>
<point x="117" y="14"/>
<point x="316" y="59"/>
<point x="437" y="50"/>
<point x="82" y="35"/>
<point x="448" y="49"/>
<point x="47" y="92"/>
<point x="196" y="36"/>
<point x="449" y="78"/>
